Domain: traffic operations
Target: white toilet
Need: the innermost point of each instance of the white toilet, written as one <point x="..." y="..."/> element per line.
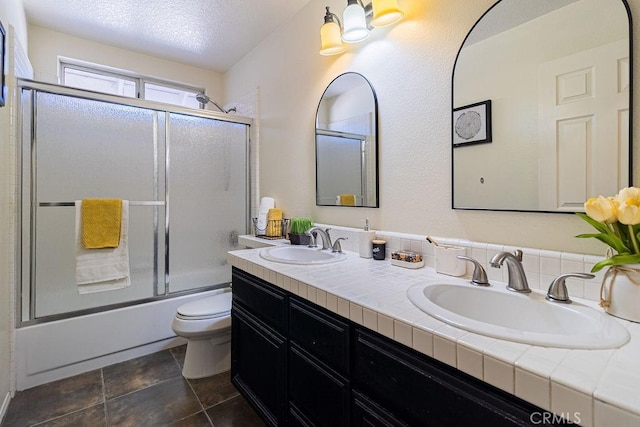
<point x="206" y="324"/>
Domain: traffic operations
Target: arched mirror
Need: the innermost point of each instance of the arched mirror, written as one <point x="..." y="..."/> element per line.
<point x="347" y="144"/>
<point x="541" y="106"/>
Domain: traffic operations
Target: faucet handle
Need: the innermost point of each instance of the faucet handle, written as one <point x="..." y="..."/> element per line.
<point x="479" y="277"/>
<point x="558" y="289"/>
<point x="518" y="254"/>
<point x="336" y="245"/>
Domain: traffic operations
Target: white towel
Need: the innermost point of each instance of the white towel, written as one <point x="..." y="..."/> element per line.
<point x="106" y="269"/>
<point x="266" y="203"/>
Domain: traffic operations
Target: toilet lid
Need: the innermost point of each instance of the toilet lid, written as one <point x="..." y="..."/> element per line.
<point x="213" y="306"/>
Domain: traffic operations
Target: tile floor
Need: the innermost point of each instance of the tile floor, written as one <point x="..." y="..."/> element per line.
<point x="147" y="391"/>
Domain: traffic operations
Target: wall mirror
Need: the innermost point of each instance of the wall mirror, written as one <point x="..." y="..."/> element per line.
<point x="541" y="106"/>
<point x="347" y="143"/>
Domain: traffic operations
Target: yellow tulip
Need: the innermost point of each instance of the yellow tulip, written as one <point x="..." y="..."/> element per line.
<point x="628" y="211"/>
<point x="629" y="193"/>
<point x="602" y="209"/>
<point x="629" y="214"/>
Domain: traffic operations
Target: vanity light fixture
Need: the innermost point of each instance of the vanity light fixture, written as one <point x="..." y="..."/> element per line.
<point x="358" y="21"/>
<point x="355" y="22"/>
<point x="330" y="35"/>
<point x="385" y="12"/>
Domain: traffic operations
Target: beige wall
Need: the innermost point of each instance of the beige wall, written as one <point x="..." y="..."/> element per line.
<point x="46" y="45"/>
<point x="410" y="67"/>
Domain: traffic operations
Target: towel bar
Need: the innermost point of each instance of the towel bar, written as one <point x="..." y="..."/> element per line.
<point x="131" y="203"/>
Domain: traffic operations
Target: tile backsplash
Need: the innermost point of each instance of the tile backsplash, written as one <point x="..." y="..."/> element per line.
<point x="541" y="266"/>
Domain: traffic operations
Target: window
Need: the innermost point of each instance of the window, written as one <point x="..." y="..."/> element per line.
<point x="100" y="82"/>
<point x="171" y="95"/>
<point x="100" y="79"/>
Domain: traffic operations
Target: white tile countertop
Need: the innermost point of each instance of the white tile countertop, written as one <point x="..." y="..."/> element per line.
<point x="588" y="387"/>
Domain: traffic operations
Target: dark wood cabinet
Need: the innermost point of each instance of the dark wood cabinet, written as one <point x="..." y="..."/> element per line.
<point x="299" y="364"/>
<point x="259" y="347"/>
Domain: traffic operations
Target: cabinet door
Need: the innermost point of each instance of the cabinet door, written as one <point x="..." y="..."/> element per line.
<point x="258" y="365"/>
<point x="317" y="391"/>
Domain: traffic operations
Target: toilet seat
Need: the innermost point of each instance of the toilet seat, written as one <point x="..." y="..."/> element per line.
<point x="206" y="308"/>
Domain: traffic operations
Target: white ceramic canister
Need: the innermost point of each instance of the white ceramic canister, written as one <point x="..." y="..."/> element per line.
<point x="620" y="293"/>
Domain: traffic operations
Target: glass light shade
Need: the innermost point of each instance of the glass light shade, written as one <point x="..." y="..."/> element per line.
<point x="355" y="24"/>
<point x="385" y="12"/>
<point x="330" y="39"/>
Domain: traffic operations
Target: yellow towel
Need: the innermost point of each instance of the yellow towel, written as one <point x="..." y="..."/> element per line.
<point x="274" y="223"/>
<point x="348" y="199"/>
<point x="101" y="223"/>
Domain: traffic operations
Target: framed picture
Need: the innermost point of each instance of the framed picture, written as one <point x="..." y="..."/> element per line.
<point x="472" y="124"/>
<point x="3" y="38"/>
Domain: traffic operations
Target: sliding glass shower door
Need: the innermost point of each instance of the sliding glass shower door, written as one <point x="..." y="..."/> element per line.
<point x="206" y="187"/>
<point x="185" y="177"/>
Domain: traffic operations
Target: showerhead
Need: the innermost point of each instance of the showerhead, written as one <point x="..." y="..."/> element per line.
<point x="204" y="99"/>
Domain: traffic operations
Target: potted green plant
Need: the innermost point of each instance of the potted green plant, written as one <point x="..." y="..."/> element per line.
<point x="297" y="228"/>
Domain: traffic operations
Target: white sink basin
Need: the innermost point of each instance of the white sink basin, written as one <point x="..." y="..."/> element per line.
<point x="300" y="255"/>
<point x="525" y="318"/>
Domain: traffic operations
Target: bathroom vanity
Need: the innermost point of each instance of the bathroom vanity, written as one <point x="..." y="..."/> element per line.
<point x="300" y="364"/>
<point x="341" y="344"/>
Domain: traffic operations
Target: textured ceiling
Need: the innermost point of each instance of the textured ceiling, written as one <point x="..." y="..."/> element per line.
<point x="213" y="34"/>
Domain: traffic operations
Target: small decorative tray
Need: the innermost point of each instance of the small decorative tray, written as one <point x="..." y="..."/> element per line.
<point x="407" y="259"/>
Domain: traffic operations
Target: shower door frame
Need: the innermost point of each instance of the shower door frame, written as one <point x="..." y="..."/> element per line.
<point x="156" y="107"/>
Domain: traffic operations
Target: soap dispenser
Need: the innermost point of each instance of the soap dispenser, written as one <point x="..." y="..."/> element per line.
<point x="366" y="240"/>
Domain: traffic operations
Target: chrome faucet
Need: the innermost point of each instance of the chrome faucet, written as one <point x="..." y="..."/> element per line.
<point x="517" y="279"/>
<point x="558" y="289"/>
<point x="326" y="239"/>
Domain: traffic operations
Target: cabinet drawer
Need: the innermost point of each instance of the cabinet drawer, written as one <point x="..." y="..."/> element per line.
<point x="427" y="392"/>
<point x="262" y="299"/>
<point x="316" y="391"/>
<point x="320" y="333"/>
